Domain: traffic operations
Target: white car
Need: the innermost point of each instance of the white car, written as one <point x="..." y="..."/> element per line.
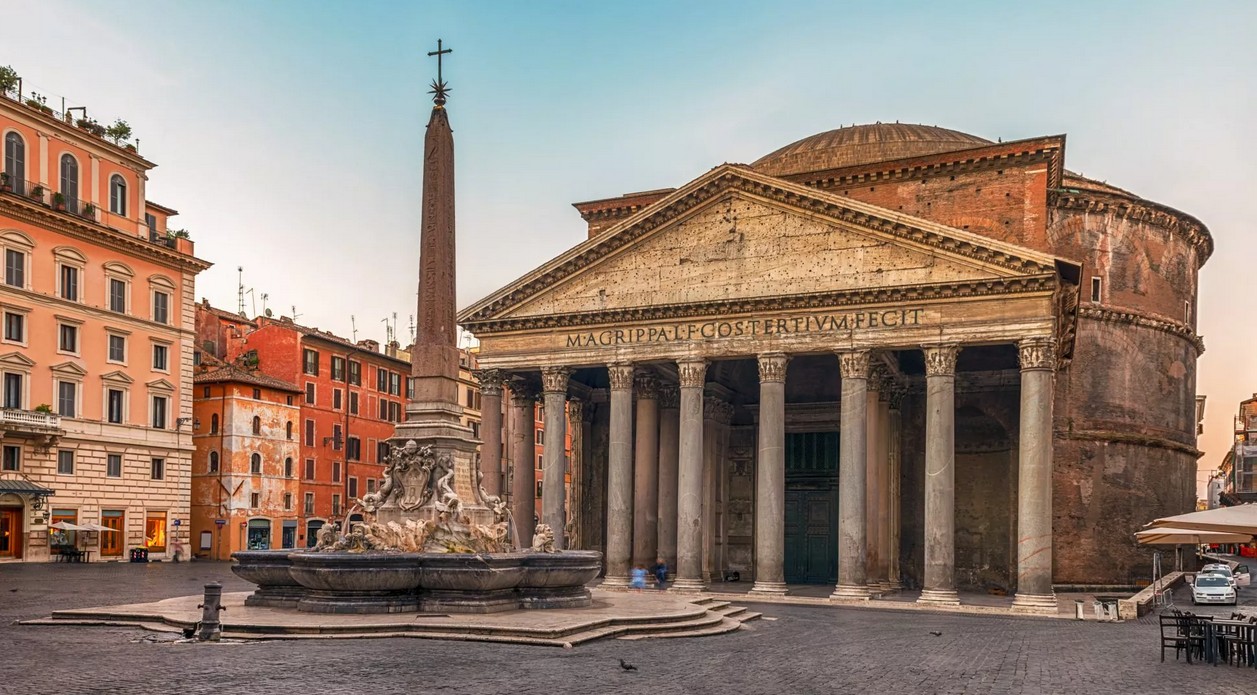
<point x="1213" y="588"/>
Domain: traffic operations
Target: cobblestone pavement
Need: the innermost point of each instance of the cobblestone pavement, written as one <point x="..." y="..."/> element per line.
<point x="796" y="650"/>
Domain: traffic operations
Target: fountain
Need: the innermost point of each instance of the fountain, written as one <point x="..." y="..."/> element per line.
<point x="436" y="541"/>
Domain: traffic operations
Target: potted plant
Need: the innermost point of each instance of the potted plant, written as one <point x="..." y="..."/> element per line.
<point x="58" y="200"/>
<point x="5" y="185"/>
<point x="89" y="210"/>
<point x="37" y="192"/>
<point x="119" y="131"/>
<point x="8" y="79"/>
<point x="43" y="408"/>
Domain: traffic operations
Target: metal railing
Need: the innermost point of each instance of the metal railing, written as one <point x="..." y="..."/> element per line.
<point x="30" y="418"/>
<point x="90" y="127"/>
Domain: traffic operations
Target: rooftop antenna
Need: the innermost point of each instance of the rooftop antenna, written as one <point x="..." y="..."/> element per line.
<point x="240" y="290"/>
<point x="265" y="297"/>
<point x="294" y="313"/>
<point x="388" y="331"/>
<point x="353" y="328"/>
<point x="413" y="337"/>
<point x="253" y="302"/>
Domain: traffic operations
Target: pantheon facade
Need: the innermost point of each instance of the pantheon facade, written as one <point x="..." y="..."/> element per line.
<point x="885" y="356"/>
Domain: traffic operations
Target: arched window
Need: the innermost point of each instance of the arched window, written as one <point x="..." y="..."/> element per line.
<point x="15" y="161"/>
<point x="118" y="195"/>
<point x="288" y="427"/>
<point x="213" y="462"/>
<point x="257" y="425"/>
<point x="214" y="423"/>
<point x="255" y="463"/>
<point x="70" y="180"/>
<point x="288" y="467"/>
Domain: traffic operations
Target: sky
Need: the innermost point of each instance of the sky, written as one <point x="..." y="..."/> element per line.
<point x="288" y="133"/>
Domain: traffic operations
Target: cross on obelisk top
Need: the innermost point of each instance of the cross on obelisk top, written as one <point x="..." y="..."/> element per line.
<point x="439" y="89"/>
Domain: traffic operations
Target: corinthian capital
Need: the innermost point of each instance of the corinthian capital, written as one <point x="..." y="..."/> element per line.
<point x="940" y="360"/>
<point x="772" y="367"/>
<point x="646" y="386"/>
<point x="693" y="372"/>
<point x="854" y="364"/>
<point x="1038" y="352"/>
<point x="523" y="393"/>
<point x="554" y="379"/>
<point x="669" y="396"/>
<point x="717" y="410"/>
<point x="621" y="376"/>
<point x="491" y="381"/>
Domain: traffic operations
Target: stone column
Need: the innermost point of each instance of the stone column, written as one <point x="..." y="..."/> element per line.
<point x="872" y="478"/>
<point x="554" y="459"/>
<point x="852" y="467"/>
<point x="598" y="442"/>
<point x="669" y="443"/>
<point x="895" y="454"/>
<point x="690" y="478"/>
<point x="646" y="472"/>
<point x="1034" y="477"/>
<point x="523" y="461"/>
<point x="577" y="464"/>
<point x="717" y="414"/>
<point x="491" y="381"/>
<point x="939" y="586"/>
<point x="770" y="478"/>
<point x="620" y="476"/>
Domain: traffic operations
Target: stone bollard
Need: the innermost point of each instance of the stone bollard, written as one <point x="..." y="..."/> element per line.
<point x="1078" y="606"/>
<point x="211" y="629"/>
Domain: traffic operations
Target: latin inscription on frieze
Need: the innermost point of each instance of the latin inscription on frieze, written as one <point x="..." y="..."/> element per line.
<point x="747" y="328"/>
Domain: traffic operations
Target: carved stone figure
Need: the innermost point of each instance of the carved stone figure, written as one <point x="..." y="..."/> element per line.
<point x="327" y="536"/>
<point x="543" y="539"/>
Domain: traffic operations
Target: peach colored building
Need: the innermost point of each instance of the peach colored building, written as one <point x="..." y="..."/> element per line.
<point x="96" y="303"/>
<point x="245" y="489"/>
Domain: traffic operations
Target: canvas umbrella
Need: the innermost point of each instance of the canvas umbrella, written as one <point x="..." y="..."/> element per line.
<point x="67" y="526"/>
<point x="1165" y="535"/>
<point x="97" y="527"/>
<point x="1240" y="519"/>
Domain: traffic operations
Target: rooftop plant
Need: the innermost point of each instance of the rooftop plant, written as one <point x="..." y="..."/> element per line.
<point x="119" y="132"/>
<point x="8" y="79"/>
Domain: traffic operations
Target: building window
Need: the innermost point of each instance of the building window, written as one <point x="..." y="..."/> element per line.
<point x="395" y="383"/>
<point x="257" y="425"/>
<point x="255" y="464"/>
<point x="13" y="390"/>
<point x="14" y="268"/>
<point x="541" y="436"/>
<point x="12" y="458"/>
<point x="310" y="362"/>
<point x="160" y="353"/>
<point x="309" y="505"/>
<point x="355" y="373"/>
<point x="14" y="327"/>
<point x="213" y="462"/>
<point x="113" y="466"/>
<point x="471" y="397"/>
<point x="117" y="195"/>
<point x="15" y="161"/>
<point x="309" y="469"/>
<point x="65" y="462"/>
<point x="310" y="393"/>
<point x="257" y="394"/>
<point x="1097" y="287"/>
<point x="353" y="403"/>
<point x="161" y="307"/>
<point x="410" y="388"/>
<point x="157" y="469"/>
<point x="540" y="459"/>
<point x="538" y="489"/>
<point x="309" y="433"/>
<point x="336" y="399"/>
<point x="114" y="400"/>
<point x="255" y="500"/>
<point x="381" y="452"/>
<point x="288" y="429"/>
<point x="335" y="471"/>
<point x="67" y="399"/>
<point x="288" y="467"/>
<point x="70" y="180"/>
<point x="70" y="283"/>
<point x="338" y="368"/>
<point x="287" y="501"/>
<point x="395" y="411"/>
<point x="117" y="348"/>
<point x="353" y="488"/>
<point x="353" y="449"/>
<point x="336" y="440"/>
<point x="155" y="532"/>
<point x="289" y="400"/>
<point x="370" y="485"/>
<point x="117" y="296"/>
<point x="335" y="505"/>
<point x="383" y="409"/>
<point x="214" y="423"/>
<point x="159" y="412"/>
<point x="1187" y="312"/>
<point x="68" y="338"/>
<point x="381" y="380"/>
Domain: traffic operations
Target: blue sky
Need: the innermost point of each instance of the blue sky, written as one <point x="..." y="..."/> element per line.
<point x="288" y="133"/>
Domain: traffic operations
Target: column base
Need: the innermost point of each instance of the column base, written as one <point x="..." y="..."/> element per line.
<point x="1034" y="603"/>
<point x="939" y="597"/>
<point x="767" y="588"/>
<point x="886" y="585"/>
<point x="615" y="582"/>
<point x="688" y="586"/>
<point x="851" y="592"/>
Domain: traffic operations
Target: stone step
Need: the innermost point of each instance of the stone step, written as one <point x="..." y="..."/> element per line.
<point x="725" y="626"/>
<point x="730" y="610"/>
<point x="747" y="616"/>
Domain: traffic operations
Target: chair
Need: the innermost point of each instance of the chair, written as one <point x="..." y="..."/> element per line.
<point x="1177" y="632"/>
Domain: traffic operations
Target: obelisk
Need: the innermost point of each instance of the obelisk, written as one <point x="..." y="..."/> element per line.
<point x="433" y="415"/>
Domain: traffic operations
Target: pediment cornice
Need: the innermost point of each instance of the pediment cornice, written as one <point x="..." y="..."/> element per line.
<point x="729" y="179"/>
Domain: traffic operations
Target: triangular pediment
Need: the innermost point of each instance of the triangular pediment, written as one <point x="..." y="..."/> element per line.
<point x="71" y="369"/>
<point x="118" y="376"/>
<point x="160" y="385"/>
<point x="734" y="235"/>
<point x="16" y="360"/>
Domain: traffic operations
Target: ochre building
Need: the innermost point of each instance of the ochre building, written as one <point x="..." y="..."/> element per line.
<point x="883" y="356"/>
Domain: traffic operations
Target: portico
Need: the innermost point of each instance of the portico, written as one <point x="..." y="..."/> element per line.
<point x="860" y="398"/>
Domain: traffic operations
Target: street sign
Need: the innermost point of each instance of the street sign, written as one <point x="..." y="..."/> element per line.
<point x="220" y="522"/>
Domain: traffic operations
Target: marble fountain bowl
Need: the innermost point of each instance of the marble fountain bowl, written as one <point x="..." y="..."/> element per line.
<point x="557" y="580"/>
<point x="357" y="582"/>
<point x="269" y="570"/>
<point x="470" y="583"/>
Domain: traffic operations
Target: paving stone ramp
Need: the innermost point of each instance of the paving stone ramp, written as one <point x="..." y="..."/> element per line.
<point x="615" y="615"/>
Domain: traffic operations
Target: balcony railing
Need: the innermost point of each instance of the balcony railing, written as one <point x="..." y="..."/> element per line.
<point x="30" y="419"/>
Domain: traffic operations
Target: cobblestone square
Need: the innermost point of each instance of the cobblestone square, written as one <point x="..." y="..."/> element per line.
<point x="793" y="650"/>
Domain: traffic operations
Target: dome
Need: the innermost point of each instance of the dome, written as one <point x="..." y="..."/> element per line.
<point x="863" y="144"/>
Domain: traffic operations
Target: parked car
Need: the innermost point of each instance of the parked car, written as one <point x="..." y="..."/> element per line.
<point x="1213" y="588"/>
<point x="1220" y="570"/>
<point x="1242" y="576"/>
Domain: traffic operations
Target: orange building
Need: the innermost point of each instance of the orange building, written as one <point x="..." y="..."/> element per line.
<point x="245" y="489"/>
<point x="96" y="350"/>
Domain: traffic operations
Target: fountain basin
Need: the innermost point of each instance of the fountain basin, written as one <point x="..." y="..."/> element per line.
<point x="346" y="582"/>
<point x="269" y="570"/>
<point x="557" y="580"/>
<point x="469" y="583"/>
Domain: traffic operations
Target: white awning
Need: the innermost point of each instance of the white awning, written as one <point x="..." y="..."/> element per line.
<point x="1176" y="536"/>
<point x="1240" y="519"/>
